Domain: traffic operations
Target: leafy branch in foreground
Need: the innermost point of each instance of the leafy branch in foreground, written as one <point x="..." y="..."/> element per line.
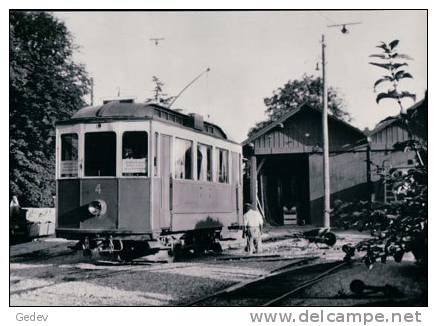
<point x="396" y="72"/>
<point x="390" y="62"/>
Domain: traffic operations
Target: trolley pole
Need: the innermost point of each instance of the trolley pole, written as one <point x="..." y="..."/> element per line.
<point x="326" y="184"/>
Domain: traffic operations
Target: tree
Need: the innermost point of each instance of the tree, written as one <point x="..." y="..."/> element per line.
<point x="391" y="61"/>
<point x="297" y="92"/>
<point x="158" y="93"/>
<point x="45" y="85"/>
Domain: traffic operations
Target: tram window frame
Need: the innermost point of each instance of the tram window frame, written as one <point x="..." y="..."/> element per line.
<point x="187" y="155"/>
<point x="94" y="153"/>
<point x="136" y="150"/>
<point x="73" y="167"/>
<point x="155" y="163"/>
<point x="239" y="168"/>
<point x="209" y="163"/>
<point x="218" y="166"/>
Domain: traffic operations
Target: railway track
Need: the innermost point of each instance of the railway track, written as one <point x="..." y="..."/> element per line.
<point x="272" y="289"/>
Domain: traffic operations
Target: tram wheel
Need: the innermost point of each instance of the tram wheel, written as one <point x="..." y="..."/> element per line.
<point x="175" y="251"/>
<point x="87" y="253"/>
<point x="217" y="247"/>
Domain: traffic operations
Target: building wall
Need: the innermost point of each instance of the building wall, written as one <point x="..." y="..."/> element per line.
<point x="387" y="137"/>
<point x="348" y="181"/>
<point x="389" y="160"/>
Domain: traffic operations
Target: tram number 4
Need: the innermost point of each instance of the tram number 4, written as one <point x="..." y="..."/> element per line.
<point x="98" y="189"/>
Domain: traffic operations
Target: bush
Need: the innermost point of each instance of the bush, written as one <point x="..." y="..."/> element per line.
<point x="399" y="227"/>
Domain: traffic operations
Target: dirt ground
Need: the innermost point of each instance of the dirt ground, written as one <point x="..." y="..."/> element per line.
<point x="46" y="272"/>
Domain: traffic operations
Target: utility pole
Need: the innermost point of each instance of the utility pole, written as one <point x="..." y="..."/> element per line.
<point x="92" y="90"/>
<point x="326" y="184"/>
<point x="326" y="181"/>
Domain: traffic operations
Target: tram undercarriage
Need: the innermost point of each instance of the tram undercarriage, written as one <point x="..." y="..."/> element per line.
<point x="127" y="248"/>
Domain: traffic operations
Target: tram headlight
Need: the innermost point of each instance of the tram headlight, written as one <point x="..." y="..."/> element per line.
<point x="97" y="207"/>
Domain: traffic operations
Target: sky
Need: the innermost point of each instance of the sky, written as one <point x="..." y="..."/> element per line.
<point x="250" y="54"/>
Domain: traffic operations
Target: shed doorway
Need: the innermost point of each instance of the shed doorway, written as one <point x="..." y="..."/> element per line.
<point x="284" y="189"/>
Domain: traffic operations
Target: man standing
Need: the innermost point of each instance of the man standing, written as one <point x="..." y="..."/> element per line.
<point x="252" y="227"/>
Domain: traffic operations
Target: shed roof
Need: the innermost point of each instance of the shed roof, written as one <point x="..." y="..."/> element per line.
<point x="290" y="114"/>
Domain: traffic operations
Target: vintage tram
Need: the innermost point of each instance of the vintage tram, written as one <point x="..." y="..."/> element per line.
<point x="133" y="177"/>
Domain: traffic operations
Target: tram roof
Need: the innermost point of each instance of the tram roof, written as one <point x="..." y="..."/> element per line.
<point x="119" y="110"/>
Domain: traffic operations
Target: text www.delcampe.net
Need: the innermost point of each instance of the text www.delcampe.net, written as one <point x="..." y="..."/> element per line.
<point x="359" y="318"/>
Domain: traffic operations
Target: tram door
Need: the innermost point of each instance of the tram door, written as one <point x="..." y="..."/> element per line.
<point x="165" y="167"/>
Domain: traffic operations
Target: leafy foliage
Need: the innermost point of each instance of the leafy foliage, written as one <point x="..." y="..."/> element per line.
<point x="394" y="94"/>
<point x="399" y="226"/>
<point x="389" y="57"/>
<point x="45" y="86"/>
<point x="297" y="92"/>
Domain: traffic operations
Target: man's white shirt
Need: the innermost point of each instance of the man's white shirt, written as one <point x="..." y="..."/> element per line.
<point x="253" y="218"/>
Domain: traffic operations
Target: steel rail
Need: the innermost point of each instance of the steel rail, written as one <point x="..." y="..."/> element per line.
<point x="234" y="287"/>
<point x="306" y="284"/>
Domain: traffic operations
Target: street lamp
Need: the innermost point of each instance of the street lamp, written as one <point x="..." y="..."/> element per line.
<point x="325" y="131"/>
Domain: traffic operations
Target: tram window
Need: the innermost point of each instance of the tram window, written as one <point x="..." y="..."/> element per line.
<point x="134" y="161"/>
<point x="222" y="165"/>
<point x="69" y="155"/>
<point x="100" y="149"/>
<point x="183" y="161"/>
<point x="204" y="159"/>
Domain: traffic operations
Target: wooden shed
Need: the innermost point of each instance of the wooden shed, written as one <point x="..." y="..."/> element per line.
<point x="285" y="174"/>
